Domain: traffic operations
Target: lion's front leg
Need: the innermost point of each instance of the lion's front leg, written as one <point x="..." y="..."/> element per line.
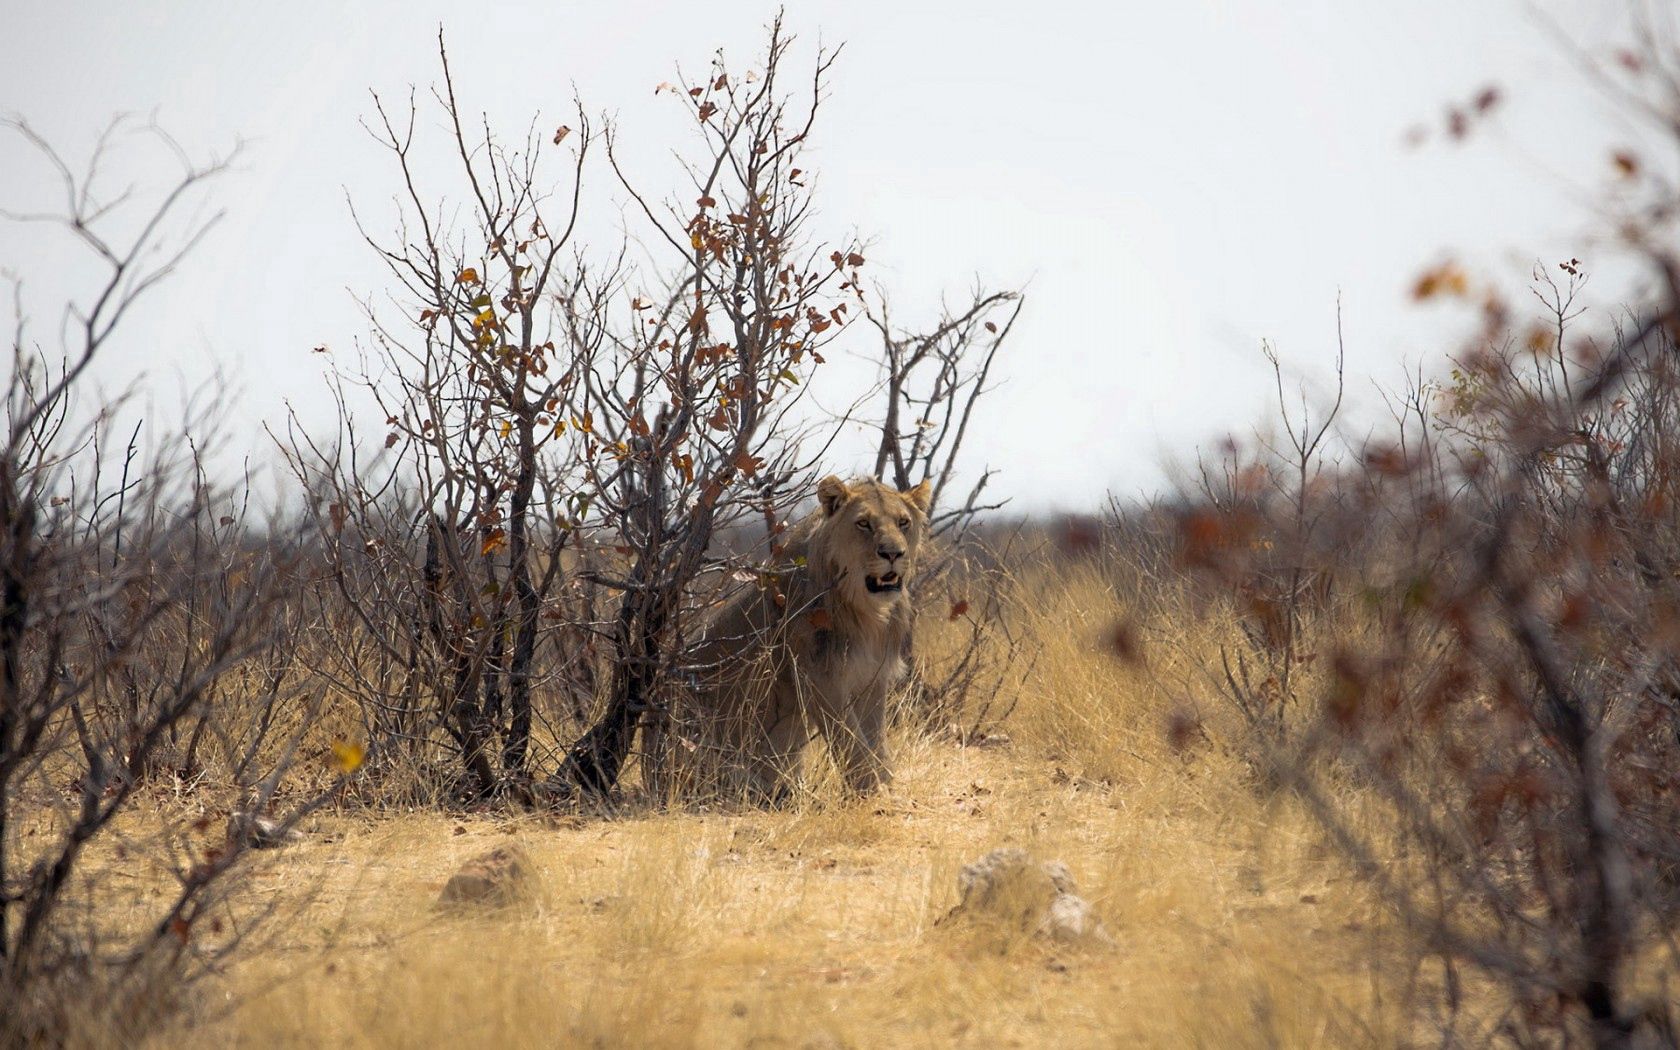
<point x="860" y="743"/>
<point x="773" y="762"/>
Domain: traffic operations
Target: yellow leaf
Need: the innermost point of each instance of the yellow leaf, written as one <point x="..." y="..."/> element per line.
<point x="468" y="276"/>
<point x="347" y="756"/>
<point x="495" y="541"/>
<point x="506" y="428"/>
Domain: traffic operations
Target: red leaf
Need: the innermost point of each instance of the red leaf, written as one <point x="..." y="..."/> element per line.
<point x="959" y="607"/>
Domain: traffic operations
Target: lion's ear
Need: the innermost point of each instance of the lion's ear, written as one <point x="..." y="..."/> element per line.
<point x="832" y="493"/>
<point x="921" y="496"/>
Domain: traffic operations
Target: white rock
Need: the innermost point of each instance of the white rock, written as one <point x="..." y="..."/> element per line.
<point x="1008" y="885"/>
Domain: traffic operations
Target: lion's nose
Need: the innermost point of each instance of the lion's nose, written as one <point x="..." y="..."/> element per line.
<point x="892" y="554"/>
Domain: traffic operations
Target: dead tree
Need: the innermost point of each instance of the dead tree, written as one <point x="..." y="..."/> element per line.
<point x="448" y="546"/>
<point x="691" y="373"/>
<point x="931" y="383"/>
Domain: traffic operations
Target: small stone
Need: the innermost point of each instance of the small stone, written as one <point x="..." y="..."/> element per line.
<point x="259" y="832"/>
<point x="498" y="878"/>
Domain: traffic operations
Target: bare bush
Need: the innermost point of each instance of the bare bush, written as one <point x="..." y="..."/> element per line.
<point x="1495" y="666"/>
<point x="134" y="597"/>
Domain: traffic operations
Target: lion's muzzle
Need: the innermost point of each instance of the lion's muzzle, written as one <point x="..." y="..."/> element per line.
<point x="886" y="583"/>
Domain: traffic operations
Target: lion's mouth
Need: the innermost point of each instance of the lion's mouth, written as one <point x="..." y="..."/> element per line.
<point x="886" y="583"/>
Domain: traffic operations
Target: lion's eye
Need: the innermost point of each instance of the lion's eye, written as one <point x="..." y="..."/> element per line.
<point x="863" y="523"/>
<point x="904" y="523"/>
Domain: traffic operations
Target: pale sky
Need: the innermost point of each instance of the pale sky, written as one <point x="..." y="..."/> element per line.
<point x="1175" y="182"/>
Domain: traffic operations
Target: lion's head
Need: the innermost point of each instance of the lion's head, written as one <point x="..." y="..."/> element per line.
<point x="869" y="537"/>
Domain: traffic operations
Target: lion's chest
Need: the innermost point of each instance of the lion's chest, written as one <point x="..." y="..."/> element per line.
<point x="848" y="667"/>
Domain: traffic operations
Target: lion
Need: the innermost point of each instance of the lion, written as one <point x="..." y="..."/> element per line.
<point x="814" y="649"/>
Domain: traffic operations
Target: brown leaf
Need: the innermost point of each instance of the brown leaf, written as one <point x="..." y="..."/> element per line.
<point x="391" y="439"/>
<point x="495" y="541"/>
<point x="820" y="619"/>
<point x="1626" y="163"/>
<point x="959" y="607"/>
<point x="561" y="132"/>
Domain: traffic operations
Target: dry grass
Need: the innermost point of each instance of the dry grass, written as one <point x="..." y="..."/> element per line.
<point x="816" y="925"/>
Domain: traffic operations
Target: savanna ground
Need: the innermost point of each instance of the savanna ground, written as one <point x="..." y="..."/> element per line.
<point x="818" y="924"/>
